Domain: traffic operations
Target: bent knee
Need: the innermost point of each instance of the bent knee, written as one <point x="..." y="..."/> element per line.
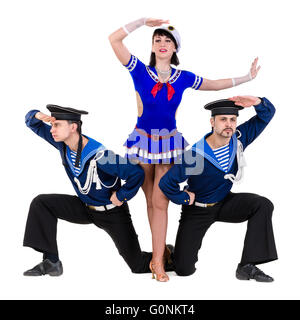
<point x="139" y="267"/>
<point x="139" y="270"/>
<point x="183" y="267"/>
<point x="266" y="204"/>
<point x="184" y="271"/>
<point x="41" y="198"/>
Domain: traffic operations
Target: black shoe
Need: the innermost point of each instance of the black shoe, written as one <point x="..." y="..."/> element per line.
<point x="46" y="267"/>
<point x="169" y="255"/>
<point x="170" y="248"/>
<point x="250" y="271"/>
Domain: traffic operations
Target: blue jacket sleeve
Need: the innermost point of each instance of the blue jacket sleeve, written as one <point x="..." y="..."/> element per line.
<point x="117" y="166"/>
<point x="169" y="183"/>
<point x="252" y="128"/>
<point x="40" y="128"/>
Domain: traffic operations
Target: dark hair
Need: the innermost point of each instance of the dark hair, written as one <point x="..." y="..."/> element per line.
<point x="79" y="125"/>
<point x="162" y="32"/>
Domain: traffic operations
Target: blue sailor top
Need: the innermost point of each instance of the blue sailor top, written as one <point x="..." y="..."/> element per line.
<point x="201" y="169"/>
<point x="110" y="168"/>
<point x="157" y="111"/>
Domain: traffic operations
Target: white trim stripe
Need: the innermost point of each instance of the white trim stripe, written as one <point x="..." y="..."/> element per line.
<point x="194" y="82"/>
<point x="175" y="76"/>
<point x="225" y="167"/>
<point x="221" y="153"/>
<point x="76" y="170"/>
<point x="152" y="74"/>
<point x="197" y="82"/>
<point x="225" y="161"/>
<point x="217" y="149"/>
<point x="153" y="156"/>
<point x="132" y="64"/>
<point x="223" y="157"/>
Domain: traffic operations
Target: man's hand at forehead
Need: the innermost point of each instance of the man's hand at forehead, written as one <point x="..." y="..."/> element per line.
<point x="245" y="101"/>
<point x="44" y="117"/>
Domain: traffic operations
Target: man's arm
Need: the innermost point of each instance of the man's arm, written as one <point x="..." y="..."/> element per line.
<point x="34" y="121"/>
<point x="252" y="128"/>
<point x="117" y="166"/>
<point x="169" y="183"/>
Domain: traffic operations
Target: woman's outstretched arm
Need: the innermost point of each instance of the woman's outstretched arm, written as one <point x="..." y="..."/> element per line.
<point x="230" y="82"/>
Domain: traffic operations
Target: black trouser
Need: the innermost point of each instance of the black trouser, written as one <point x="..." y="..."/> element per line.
<point x="45" y="209"/>
<point x="259" y="244"/>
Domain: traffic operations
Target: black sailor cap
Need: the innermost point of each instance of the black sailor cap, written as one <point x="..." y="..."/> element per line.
<point x="223" y="106"/>
<point x="63" y="113"/>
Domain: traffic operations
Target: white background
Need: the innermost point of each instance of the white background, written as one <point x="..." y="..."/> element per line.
<point x="58" y="52"/>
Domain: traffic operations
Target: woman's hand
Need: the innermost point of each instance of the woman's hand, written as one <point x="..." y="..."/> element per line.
<point x="150" y="22"/>
<point x="254" y="70"/>
<point x="231" y="82"/>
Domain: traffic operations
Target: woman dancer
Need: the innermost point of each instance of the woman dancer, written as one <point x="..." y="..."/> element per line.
<point x="155" y="142"/>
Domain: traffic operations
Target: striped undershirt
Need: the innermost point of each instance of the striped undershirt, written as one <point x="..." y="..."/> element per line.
<point x="73" y="159"/>
<point x="222" y="155"/>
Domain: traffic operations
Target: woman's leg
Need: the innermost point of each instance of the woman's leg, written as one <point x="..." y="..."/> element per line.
<point x="148" y="188"/>
<point x="118" y="224"/>
<point x="159" y="223"/>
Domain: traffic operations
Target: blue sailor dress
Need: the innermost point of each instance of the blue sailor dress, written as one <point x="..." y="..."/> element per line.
<point x="155" y="138"/>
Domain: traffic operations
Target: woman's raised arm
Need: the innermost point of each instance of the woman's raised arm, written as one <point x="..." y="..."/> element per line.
<point x="116" y="38"/>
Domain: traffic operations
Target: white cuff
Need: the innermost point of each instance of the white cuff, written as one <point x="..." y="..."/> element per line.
<point x="125" y="29"/>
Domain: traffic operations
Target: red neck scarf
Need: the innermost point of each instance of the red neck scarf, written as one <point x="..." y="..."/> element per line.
<point x="159" y="86"/>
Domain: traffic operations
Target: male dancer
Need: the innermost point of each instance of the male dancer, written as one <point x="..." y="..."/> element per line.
<point x="210" y="168"/>
<point x="95" y="173"/>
